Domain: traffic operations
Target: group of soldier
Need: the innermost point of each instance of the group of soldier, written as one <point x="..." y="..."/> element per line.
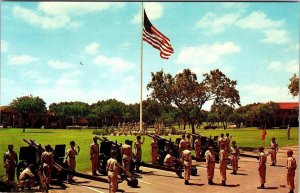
<point x="27" y="177"/>
<point x="132" y="126"/>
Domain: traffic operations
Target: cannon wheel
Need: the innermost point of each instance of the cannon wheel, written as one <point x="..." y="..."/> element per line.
<point x="193" y="171"/>
<point x="20" y="167"/>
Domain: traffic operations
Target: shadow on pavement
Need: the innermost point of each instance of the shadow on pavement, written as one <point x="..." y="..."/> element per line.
<point x="271" y="188"/>
<point x="194" y="184"/>
<point x="98" y="187"/>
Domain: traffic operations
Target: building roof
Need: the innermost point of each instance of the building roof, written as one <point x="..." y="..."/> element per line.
<point x="288" y="105"/>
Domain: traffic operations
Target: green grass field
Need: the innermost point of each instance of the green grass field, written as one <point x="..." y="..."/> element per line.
<point x="245" y="137"/>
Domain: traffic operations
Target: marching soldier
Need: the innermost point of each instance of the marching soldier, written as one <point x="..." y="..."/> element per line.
<point x="113" y="168"/>
<point x="197" y="144"/>
<point x="71" y="153"/>
<point x="94" y="155"/>
<point x="187" y="164"/>
<point x="138" y="150"/>
<point x="10" y="161"/>
<point x="47" y="159"/>
<point x="154" y="150"/>
<point x="262" y="167"/>
<point x="273" y="151"/>
<point x="27" y="177"/>
<point x="223" y="163"/>
<point x="235" y="152"/>
<point x="210" y="163"/>
<point x="291" y="167"/>
<point x="126" y="155"/>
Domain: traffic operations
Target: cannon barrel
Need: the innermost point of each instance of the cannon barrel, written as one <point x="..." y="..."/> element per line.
<point x="251" y="156"/>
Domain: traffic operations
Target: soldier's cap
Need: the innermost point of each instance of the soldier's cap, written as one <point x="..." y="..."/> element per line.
<point x="95" y="137"/>
<point x="48" y="146"/>
<point x="290" y="152"/>
<point x="10" y="146"/>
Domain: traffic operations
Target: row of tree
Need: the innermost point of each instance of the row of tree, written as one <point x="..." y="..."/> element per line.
<point x="173" y="99"/>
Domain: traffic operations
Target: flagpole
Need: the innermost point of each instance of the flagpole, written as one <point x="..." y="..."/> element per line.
<point x="141" y="72"/>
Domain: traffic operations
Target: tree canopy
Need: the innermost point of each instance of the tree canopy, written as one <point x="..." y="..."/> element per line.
<point x="294" y="85"/>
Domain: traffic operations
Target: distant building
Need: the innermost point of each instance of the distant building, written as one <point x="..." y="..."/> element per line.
<point x="288" y="114"/>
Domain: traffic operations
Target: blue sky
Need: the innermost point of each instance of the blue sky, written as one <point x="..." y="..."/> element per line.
<point x="42" y="45"/>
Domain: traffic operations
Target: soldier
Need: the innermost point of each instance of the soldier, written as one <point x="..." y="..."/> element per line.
<point x="273" y="151"/>
<point x="138" y="150"/>
<point x="228" y="140"/>
<point x="187" y="164"/>
<point x="47" y="159"/>
<point x="71" y="153"/>
<point x="223" y="163"/>
<point x="126" y="155"/>
<point x="94" y="155"/>
<point x="291" y="167"/>
<point x="27" y="177"/>
<point x="221" y="140"/>
<point x="10" y="161"/>
<point x="169" y="161"/>
<point x="113" y="168"/>
<point x="210" y="163"/>
<point x="262" y="167"/>
<point x="197" y="144"/>
<point x="235" y="152"/>
<point x="182" y="144"/>
<point x="188" y="139"/>
<point x="288" y="129"/>
<point x="154" y="150"/>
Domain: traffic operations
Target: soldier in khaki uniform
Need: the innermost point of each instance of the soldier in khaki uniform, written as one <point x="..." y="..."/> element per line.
<point x="228" y="140"/>
<point x="234" y="156"/>
<point x="94" y="155"/>
<point x="47" y="159"/>
<point x="210" y="163"/>
<point x="223" y="163"/>
<point x="113" y="168"/>
<point x="262" y="167"/>
<point x="291" y="168"/>
<point x="273" y="151"/>
<point x="154" y="150"/>
<point x="27" y="177"/>
<point x="138" y="150"/>
<point x="197" y="144"/>
<point x="126" y="155"/>
<point x="71" y="153"/>
<point x="182" y="144"/>
<point x="10" y="161"/>
<point x="187" y="164"/>
<point x="221" y="140"/>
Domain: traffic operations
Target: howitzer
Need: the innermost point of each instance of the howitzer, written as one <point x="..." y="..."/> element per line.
<point x="130" y="180"/>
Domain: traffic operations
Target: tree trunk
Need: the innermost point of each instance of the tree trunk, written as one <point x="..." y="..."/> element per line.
<point x="184" y="124"/>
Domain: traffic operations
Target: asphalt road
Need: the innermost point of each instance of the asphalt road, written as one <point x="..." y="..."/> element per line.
<point x="158" y="181"/>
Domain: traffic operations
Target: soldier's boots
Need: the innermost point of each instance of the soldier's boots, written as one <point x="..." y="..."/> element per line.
<point x="223" y="183"/>
<point x="186" y="182"/>
<point x="291" y="191"/>
<point x="210" y="182"/>
<point x="234" y="173"/>
<point x="261" y="187"/>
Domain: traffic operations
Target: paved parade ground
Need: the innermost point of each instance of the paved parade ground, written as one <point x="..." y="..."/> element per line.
<point x="157" y="181"/>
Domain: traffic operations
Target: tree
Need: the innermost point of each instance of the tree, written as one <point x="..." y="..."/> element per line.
<point x="31" y="108"/>
<point x="294" y="85"/>
<point x="223" y="111"/>
<point x="185" y="92"/>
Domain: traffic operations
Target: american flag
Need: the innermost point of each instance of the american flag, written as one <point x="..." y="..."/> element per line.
<point x="156" y="39"/>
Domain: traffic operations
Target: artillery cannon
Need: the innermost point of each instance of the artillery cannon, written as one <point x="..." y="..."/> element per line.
<point x="60" y="169"/>
<point x="164" y="146"/>
<point x="105" y="149"/>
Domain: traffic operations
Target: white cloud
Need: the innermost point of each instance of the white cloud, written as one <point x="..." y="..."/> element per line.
<point x="262" y="93"/>
<point x="4" y="46"/>
<point x="258" y="20"/>
<point x="154" y="11"/>
<point x="92" y="48"/>
<point x="44" y="21"/>
<point x="276" y="36"/>
<point x="36" y="76"/>
<point x="72" y="74"/>
<point x="275" y="66"/>
<point x="216" y="24"/>
<point x="21" y="59"/>
<point x="294" y="47"/>
<point x="60" y="65"/>
<point x="76" y="8"/>
<point x="292" y="66"/>
<point x="116" y="64"/>
<point x="55" y="15"/>
<point x="206" y="54"/>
